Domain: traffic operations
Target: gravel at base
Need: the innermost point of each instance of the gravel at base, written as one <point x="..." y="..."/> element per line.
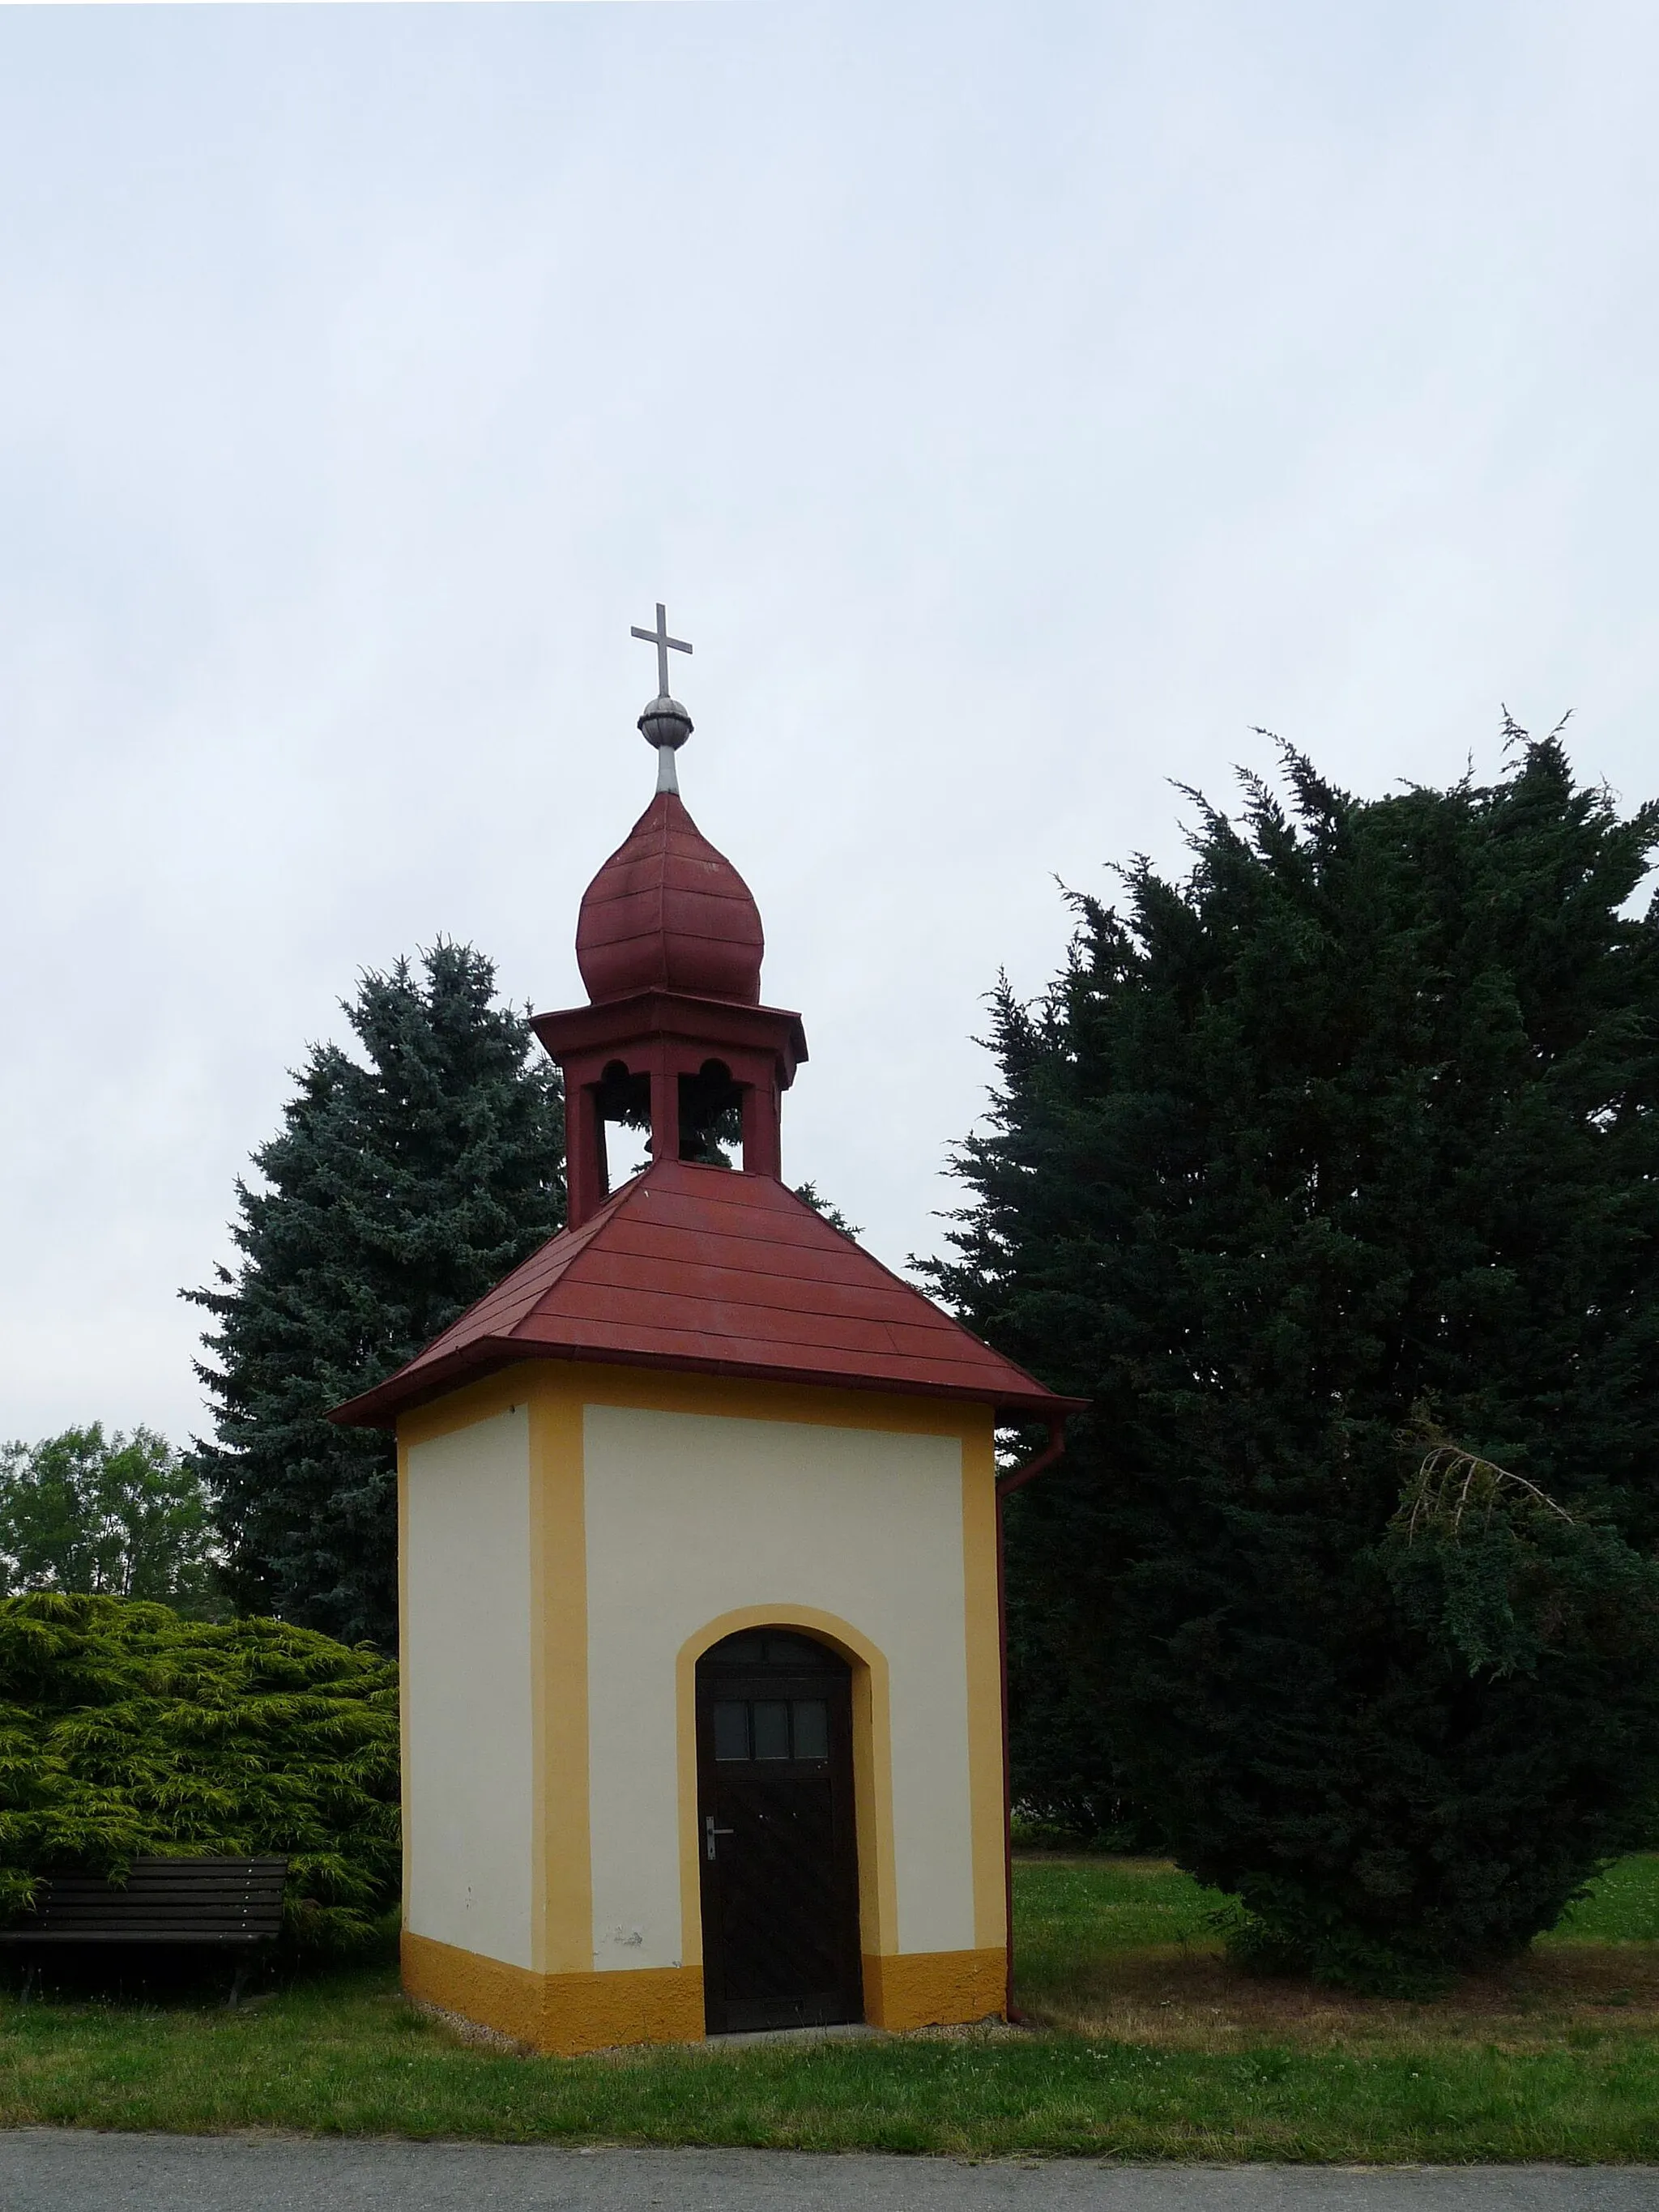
<point x="50" y="2170"/>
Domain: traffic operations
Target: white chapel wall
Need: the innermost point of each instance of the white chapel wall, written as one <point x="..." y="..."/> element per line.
<point x="467" y="1689"/>
<point x="689" y="1516"/>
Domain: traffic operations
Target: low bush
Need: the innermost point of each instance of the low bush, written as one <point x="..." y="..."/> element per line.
<point x="125" y="1729"/>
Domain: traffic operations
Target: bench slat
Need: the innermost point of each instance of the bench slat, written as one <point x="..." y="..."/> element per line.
<point x="205" y="1900"/>
<point x="155" y="1893"/>
<point x="228" y="1923"/>
<point x="31" y="1936"/>
<point x="60" y="1888"/>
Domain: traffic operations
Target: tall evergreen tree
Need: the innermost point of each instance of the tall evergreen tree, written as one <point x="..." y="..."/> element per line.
<point x="400" y="1187"/>
<point x="1339" y="1154"/>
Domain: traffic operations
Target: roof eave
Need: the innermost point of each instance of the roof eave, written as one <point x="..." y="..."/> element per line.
<point x="379" y="1408"/>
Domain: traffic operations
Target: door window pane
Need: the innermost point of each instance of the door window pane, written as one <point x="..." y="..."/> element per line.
<point x="771" y="1729"/>
<point x="811" y="1728"/>
<point x="731" y="1731"/>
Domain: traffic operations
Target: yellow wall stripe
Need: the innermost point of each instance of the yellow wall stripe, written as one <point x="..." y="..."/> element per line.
<point x="982" y="1631"/>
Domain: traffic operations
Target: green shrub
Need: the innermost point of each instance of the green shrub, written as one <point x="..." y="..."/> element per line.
<point x="125" y="1729"/>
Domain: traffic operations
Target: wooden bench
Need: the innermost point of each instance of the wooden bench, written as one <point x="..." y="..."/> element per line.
<point x="230" y="1904"/>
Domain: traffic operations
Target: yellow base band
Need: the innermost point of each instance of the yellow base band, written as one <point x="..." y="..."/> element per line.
<point x="934" y="1988"/>
<point x="564" y="2014"/>
<point x="567" y="2014"/>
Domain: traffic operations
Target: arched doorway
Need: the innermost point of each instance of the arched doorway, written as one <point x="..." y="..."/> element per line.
<point x="778" y="1854"/>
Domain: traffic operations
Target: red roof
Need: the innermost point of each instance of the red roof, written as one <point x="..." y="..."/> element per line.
<point x="667" y="912"/>
<point x="706" y="1269"/>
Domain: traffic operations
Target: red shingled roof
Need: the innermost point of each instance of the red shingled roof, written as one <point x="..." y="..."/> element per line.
<point x="702" y="1268"/>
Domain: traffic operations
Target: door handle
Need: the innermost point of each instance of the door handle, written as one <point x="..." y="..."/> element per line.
<point x="713" y="1832"/>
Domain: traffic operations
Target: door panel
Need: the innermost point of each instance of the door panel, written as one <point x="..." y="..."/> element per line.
<point x="776" y="1817"/>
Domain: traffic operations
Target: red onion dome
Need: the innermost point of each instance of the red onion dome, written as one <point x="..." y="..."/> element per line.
<point x="667" y="912"/>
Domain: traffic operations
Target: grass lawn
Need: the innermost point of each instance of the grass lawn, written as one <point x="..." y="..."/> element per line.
<point x="1143" y="2044"/>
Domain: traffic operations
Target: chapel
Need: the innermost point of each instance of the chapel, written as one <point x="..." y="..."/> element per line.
<point x="700" y="1582"/>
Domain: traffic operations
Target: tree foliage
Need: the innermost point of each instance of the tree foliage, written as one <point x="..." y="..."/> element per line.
<point x="1359" y="1124"/>
<point x="401" y="1187"/>
<point x="125" y="1516"/>
<point x="125" y="1729"/>
<point x="810" y="1194"/>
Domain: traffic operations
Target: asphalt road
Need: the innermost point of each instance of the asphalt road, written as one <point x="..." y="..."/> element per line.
<point x="49" y="2169"/>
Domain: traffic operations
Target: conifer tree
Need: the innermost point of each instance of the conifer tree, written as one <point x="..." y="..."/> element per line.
<point x="400" y="1187"/>
<point x="1335" y="1164"/>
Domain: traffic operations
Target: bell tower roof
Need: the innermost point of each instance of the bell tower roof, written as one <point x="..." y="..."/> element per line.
<point x="668" y="913"/>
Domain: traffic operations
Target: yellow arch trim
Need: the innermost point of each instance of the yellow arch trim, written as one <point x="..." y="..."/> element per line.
<point x="872" y="1768"/>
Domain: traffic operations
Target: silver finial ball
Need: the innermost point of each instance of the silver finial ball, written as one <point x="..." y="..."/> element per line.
<point x="665" y="722"/>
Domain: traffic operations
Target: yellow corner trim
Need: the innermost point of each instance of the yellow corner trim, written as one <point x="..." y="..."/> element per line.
<point x="562" y="1911"/>
<point x="562" y="1843"/>
<point x="982" y="1654"/>
<point x="563" y="2014"/>
<point x="406" y="1822"/>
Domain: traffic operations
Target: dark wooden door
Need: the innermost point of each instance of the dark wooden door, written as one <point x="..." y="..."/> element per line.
<point x="779" y="1852"/>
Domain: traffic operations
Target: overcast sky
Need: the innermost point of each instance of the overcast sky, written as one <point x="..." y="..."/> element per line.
<point x="1014" y="405"/>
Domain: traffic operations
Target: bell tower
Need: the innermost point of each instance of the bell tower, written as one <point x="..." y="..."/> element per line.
<point x="674" y="1038"/>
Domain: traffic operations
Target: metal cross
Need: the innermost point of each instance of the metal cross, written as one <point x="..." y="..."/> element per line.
<point x="664" y="646"/>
